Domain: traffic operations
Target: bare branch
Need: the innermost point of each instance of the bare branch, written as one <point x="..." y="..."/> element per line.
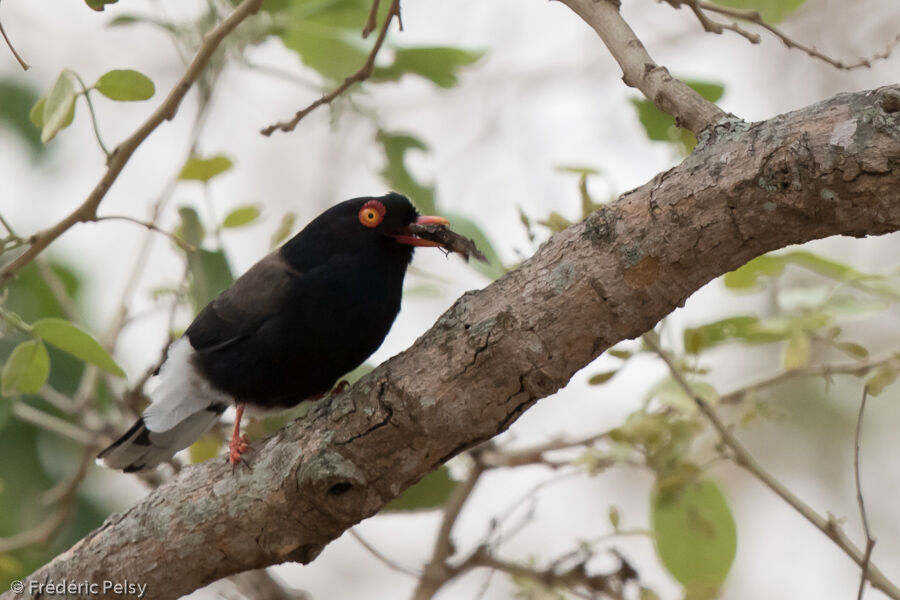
<point x="361" y="75"/>
<point x="372" y="21"/>
<point x="870" y="541"/>
<point x="44" y="420"/>
<point x="87" y="211"/>
<point x="392" y="565"/>
<point x="826" y="371"/>
<point x="25" y="66"/>
<point x="690" y="109"/>
<point x="743" y="458"/>
<point x="437" y="571"/>
<point x="150" y="225"/>
<point x="698" y="6"/>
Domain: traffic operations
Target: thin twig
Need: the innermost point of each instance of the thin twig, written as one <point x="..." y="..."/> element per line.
<point x="437" y="572"/>
<point x="152" y="227"/>
<point x="64" y="494"/>
<point x="493" y="457"/>
<point x="754" y="17"/>
<point x="8" y="227"/>
<point x="25" y="66"/>
<point x="394" y="566"/>
<point x="87" y="211"/>
<point x="372" y="21"/>
<point x="870" y="541"/>
<point x="744" y="459"/>
<point x="855" y="369"/>
<point x="59" y="400"/>
<point x="58" y="289"/>
<point x="87" y="97"/>
<point x="58" y="426"/>
<point x="672" y="96"/>
<point x="361" y="75"/>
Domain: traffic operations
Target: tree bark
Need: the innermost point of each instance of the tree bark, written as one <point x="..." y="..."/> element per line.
<point x="829" y="169"/>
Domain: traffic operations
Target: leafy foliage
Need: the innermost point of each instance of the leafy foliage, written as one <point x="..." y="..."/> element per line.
<point x="204" y="169"/>
<point x="661" y="126"/>
<point x="695" y="533"/>
<point x="125" y="85"/>
<point x="772" y="11"/>
<point x="438" y="64"/>
<point x="432" y="491"/>
<point x="69" y="338"/>
<point x="16" y="101"/>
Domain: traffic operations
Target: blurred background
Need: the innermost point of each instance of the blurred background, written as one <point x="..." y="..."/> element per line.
<point x="520" y="126"/>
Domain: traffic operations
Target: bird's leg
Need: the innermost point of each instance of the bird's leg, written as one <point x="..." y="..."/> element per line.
<point x="239" y="443"/>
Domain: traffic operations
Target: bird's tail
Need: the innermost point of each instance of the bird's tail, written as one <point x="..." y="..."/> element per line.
<point x="139" y="448"/>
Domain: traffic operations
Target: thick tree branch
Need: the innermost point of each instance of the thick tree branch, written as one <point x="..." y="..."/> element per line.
<point x="829" y="169"/>
<point x="87" y="210"/>
<point x="691" y="110"/>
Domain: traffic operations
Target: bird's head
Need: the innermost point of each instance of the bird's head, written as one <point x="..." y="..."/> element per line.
<point x="368" y="224"/>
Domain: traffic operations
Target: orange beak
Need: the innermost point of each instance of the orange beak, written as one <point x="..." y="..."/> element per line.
<point x="414" y="241"/>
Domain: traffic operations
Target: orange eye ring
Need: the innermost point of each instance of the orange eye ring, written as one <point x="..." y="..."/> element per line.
<point x="372" y="213"/>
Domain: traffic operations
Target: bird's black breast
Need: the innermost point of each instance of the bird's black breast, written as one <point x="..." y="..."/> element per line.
<point x="279" y="335"/>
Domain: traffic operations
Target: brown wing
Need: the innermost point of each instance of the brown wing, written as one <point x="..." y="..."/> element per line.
<point x="242" y="308"/>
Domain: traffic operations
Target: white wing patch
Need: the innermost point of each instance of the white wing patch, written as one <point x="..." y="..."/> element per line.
<point x="181" y="391"/>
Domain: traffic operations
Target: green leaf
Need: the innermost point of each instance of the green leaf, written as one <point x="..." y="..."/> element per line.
<point x="615" y="518"/>
<point x="555" y="222"/>
<point x="577" y="170"/>
<point x="772" y="11"/>
<point x="438" y="64"/>
<point x="853" y="349"/>
<point x="882" y="377"/>
<point x="209" y="273"/>
<point x="27" y="368"/>
<point x="429" y="492"/>
<point x="190" y="229"/>
<point x="468" y="228"/>
<point x="797" y="351"/>
<point x="747" y="277"/>
<point x="396" y="174"/>
<point x="620" y="353"/>
<point x="661" y="127"/>
<point x="853" y="307"/>
<point x="204" y="169"/>
<point x="69" y="338"/>
<point x="696" y="537"/>
<point x="698" y="339"/>
<point x="601" y="378"/>
<point x="284" y="230"/>
<point x="125" y="85"/>
<point x="15" y="102"/>
<point x="325" y="49"/>
<point x="99" y="5"/>
<point x="59" y="107"/>
<point x="36" y="115"/>
<point x="670" y="393"/>
<point x="242" y="215"/>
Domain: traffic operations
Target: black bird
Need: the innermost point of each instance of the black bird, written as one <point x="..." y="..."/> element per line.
<point x="285" y="331"/>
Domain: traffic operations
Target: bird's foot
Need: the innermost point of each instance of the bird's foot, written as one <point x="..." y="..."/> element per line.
<point x="236" y="448"/>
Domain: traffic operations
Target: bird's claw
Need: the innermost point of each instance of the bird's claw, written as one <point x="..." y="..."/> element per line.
<point x="236" y="448"/>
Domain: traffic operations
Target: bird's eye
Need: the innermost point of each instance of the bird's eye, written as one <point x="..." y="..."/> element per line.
<point x="372" y="213"/>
